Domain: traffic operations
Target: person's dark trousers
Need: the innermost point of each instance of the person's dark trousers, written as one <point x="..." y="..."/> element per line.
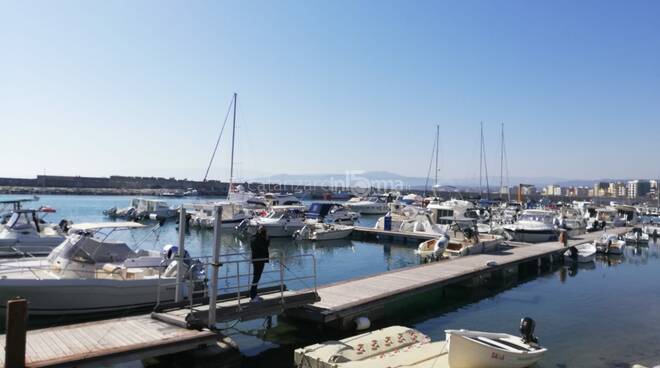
<point x="258" y="268"/>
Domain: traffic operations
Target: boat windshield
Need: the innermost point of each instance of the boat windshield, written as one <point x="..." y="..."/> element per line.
<point x="536" y="218"/>
<point x="20" y="221"/>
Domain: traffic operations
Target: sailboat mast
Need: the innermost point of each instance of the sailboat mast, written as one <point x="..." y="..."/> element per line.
<point x="233" y="137"/>
<point x="502" y="162"/>
<point x="437" y="148"/>
<point x="481" y="157"/>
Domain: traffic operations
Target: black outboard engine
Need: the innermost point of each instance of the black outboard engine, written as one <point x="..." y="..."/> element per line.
<point x="527" y="326"/>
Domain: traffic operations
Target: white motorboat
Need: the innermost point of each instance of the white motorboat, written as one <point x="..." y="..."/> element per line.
<point x="652" y="229"/>
<point x="636" y="236"/>
<point x="143" y="209"/>
<point x="27" y="233"/>
<point x="270" y="200"/>
<point x="581" y="253"/>
<point x="374" y="205"/>
<point x="433" y="248"/>
<point x="323" y="231"/>
<point x="232" y="215"/>
<point x="572" y="221"/>
<point x="332" y="213"/>
<point x="88" y="273"/>
<point x="476" y="349"/>
<point x="281" y="221"/>
<point x="610" y="216"/>
<point x="410" y="219"/>
<point x="610" y="243"/>
<point x="454" y="211"/>
<point x="399" y="346"/>
<point x="533" y="226"/>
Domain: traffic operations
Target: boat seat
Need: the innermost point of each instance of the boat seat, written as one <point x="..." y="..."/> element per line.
<point x="500" y="344"/>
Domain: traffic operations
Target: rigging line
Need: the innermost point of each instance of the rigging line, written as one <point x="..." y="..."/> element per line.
<point x="218" y="141"/>
<point x="428" y="174"/>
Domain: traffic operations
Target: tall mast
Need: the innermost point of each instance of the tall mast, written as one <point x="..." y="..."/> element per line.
<point x="485" y="163"/>
<point x="233" y="136"/>
<point x="437" y="148"/>
<point x="502" y="162"/>
<point x="481" y="157"/>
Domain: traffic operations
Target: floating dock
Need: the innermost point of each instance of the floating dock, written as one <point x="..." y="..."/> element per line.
<point x="107" y="342"/>
<point x="145" y="336"/>
<point x="344" y="301"/>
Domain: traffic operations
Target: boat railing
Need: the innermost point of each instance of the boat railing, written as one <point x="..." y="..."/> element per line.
<point x="235" y="279"/>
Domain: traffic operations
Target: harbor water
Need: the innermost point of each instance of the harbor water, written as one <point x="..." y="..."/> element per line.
<point x="600" y="315"/>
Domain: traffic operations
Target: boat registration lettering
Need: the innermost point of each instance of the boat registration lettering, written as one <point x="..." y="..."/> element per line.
<point x="497" y="356"/>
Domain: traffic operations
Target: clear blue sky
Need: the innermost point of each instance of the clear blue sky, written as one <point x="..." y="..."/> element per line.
<point x="141" y="87"/>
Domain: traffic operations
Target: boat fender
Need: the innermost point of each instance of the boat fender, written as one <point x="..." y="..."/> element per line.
<point x="362" y="323"/>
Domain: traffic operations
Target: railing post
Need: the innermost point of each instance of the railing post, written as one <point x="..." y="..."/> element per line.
<point x="282" y="280"/>
<point x="213" y="293"/>
<point x="181" y="254"/>
<point x="16" y="330"/>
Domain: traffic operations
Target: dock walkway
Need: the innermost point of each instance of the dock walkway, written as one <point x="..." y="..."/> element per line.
<point x="105" y="342"/>
<point x="341" y="302"/>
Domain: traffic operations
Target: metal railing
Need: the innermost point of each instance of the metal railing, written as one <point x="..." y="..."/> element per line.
<point x="236" y="282"/>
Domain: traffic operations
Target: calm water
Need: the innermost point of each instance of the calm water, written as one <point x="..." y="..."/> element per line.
<point x="605" y="315"/>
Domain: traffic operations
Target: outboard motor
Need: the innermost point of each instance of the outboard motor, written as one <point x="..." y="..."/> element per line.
<point x="64" y="225"/>
<point x="527" y="326"/>
<point x="574" y="255"/>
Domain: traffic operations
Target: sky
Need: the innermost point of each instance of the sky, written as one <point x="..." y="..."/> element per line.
<point x="98" y="88"/>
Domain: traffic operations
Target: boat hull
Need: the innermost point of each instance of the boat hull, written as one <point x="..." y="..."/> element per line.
<point x="331" y="235"/>
<point x="74" y="297"/>
<point x="465" y="353"/>
<point x="531" y="236"/>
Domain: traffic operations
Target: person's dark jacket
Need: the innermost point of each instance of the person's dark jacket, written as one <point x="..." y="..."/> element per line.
<point x="259" y="246"/>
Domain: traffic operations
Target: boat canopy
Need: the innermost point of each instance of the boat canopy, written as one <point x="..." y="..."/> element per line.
<point x="87" y="249"/>
<point x="89" y="226"/>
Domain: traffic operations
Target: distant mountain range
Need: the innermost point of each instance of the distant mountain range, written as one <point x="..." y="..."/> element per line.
<point x="388" y="179"/>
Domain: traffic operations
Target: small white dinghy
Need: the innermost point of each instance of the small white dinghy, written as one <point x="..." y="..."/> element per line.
<point x="433" y="248"/>
<point x="323" y="231"/>
<point x="610" y="243"/>
<point x="581" y="253"/>
<point x="476" y="349"/>
<point x="636" y="236"/>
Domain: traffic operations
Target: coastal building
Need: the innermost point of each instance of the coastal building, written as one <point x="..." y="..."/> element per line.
<point x="600" y="189"/>
<point x="638" y="188"/>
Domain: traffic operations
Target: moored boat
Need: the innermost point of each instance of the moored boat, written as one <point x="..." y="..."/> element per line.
<point x="636" y="236"/>
<point x="88" y="273"/>
<point x="433" y="248"/>
<point x="476" y="349"/>
<point x="323" y="231"/>
<point x="399" y="346"/>
<point x="581" y="253"/>
<point x="610" y="243"/>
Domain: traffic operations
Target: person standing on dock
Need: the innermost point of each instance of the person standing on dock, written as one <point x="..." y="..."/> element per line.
<point x="259" y="247"/>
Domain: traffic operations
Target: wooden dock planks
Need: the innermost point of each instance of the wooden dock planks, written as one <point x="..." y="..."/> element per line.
<point x="344" y="297"/>
<point x="106" y="341"/>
